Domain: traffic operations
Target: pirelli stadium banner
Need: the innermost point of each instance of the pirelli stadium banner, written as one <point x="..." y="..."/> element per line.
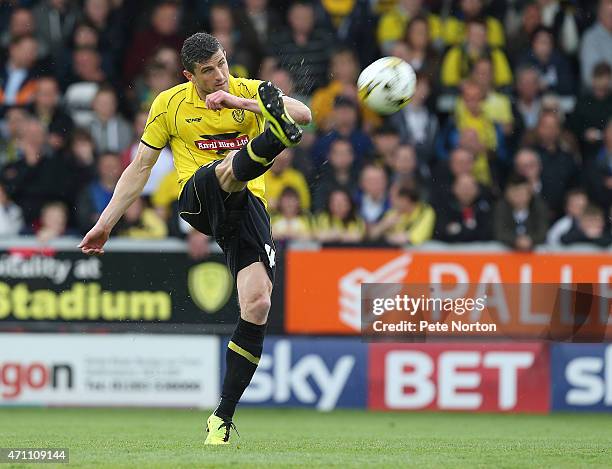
<point x="399" y="295"/>
<point x="48" y="290"/>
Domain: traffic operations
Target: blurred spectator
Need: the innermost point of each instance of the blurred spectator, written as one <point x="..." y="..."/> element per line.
<point x="466" y="215"/>
<point x="393" y="24"/>
<point x="417" y="49"/>
<point x="21" y="23"/>
<point x="520" y="218"/>
<point x="303" y="48"/>
<point x="404" y="167"/>
<point x="290" y="222"/>
<point x="281" y="176"/>
<point x="257" y="23"/>
<point x="575" y="202"/>
<point x="345" y="125"/>
<point x="106" y="17"/>
<point x="344" y="69"/>
<point x="527" y="103"/>
<point x="38" y="176"/>
<point x="162" y="167"/>
<point x="596" y="44"/>
<point x="473" y="130"/>
<point x="82" y="83"/>
<point x="459" y="59"/>
<point x="373" y="199"/>
<point x="556" y="74"/>
<point x="559" y="170"/>
<point x="591" y="228"/>
<point x="282" y="79"/>
<point x="416" y="124"/>
<point x="55" y="21"/>
<point x="163" y="31"/>
<point x="157" y="78"/>
<point x="496" y="106"/>
<point x="409" y="221"/>
<point x="592" y="111"/>
<point x="564" y="19"/>
<point x="352" y="24"/>
<point x="170" y="59"/>
<point x="520" y="40"/>
<point x="111" y="132"/>
<point x="339" y="222"/>
<point x="460" y="162"/>
<point x="455" y="27"/>
<point x="18" y="75"/>
<point x="339" y="173"/>
<point x="11" y="218"/>
<point x="81" y="157"/>
<point x="53" y="222"/>
<point x="598" y="172"/>
<point x="47" y="109"/>
<point x="240" y="54"/>
<point x="385" y="140"/>
<point x="165" y="198"/>
<point x="15" y="119"/>
<point x="96" y="196"/>
<point x="141" y="222"/>
<point x="198" y="245"/>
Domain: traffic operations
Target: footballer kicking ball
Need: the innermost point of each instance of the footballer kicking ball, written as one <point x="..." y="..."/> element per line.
<point x="386" y="86"/>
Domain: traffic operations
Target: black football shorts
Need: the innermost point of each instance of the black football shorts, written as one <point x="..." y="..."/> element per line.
<point x="238" y="221"/>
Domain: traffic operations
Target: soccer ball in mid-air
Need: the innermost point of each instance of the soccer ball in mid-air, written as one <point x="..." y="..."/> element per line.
<point x="386" y="85"/>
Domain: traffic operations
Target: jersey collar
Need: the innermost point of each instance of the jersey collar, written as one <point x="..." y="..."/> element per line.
<point x="193" y="97"/>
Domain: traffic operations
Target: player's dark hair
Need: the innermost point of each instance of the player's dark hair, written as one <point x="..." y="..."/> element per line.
<point x="197" y="49"/>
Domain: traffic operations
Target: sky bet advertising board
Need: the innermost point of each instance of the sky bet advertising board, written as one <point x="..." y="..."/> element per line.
<point x="306" y="372"/>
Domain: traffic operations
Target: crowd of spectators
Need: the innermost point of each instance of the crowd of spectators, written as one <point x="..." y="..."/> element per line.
<point x="508" y="136"/>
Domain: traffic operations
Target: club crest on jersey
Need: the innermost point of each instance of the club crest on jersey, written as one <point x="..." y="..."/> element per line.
<point x="230" y="141"/>
<point x="238" y="115"/>
<point x="189" y="120"/>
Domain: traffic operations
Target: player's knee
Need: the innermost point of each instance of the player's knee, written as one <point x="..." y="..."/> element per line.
<point x="257" y="308"/>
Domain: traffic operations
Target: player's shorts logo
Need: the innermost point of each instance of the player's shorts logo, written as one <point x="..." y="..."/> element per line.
<point x="210" y="286"/>
<point x="238" y="115"/>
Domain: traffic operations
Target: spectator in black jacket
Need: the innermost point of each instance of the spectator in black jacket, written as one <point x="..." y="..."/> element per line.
<point x="593" y="109"/>
<point x="38" y="176"/>
<point x="555" y="71"/>
<point x="559" y="169"/>
<point x="591" y="228"/>
<point x="47" y="109"/>
<point x="520" y="218"/>
<point x="466" y="216"/>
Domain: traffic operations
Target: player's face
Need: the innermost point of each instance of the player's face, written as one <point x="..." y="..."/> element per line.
<point x="210" y="76"/>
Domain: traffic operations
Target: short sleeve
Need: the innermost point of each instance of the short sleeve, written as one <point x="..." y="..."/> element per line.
<point x="156" y="133"/>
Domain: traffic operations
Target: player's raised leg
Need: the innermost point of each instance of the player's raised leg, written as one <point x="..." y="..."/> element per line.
<point x="244" y="348"/>
<point x="258" y="155"/>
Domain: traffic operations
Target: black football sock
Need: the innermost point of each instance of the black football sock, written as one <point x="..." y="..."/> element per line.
<point x="242" y="356"/>
<point x="257" y="156"/>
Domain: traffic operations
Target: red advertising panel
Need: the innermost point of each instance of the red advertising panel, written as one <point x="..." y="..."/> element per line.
<point x="485" y="377"/>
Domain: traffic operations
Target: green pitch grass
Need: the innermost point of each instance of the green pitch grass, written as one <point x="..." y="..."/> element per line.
<point x="302" y="438"/>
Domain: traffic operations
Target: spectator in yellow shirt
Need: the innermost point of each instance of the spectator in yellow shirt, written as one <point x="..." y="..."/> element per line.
<point x="410" y="220"/>
<point x="290" y="222"/>
<point x="339" y="222"/>
<point x="344" y="70"/>
<point x="496" y="106"/>
<point x="460" y="59"/>
<point x="281" y="176"/>
<point x="392" y="25"/>
<point x="455" y="26"/>
<point x="141" y="222"/>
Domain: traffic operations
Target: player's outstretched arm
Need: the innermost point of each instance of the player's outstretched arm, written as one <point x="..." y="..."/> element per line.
<point x="129" y="187"/>
<point x="222" y="99"/>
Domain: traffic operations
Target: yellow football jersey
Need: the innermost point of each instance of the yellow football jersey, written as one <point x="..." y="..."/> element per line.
<point x="197" y="135"/>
